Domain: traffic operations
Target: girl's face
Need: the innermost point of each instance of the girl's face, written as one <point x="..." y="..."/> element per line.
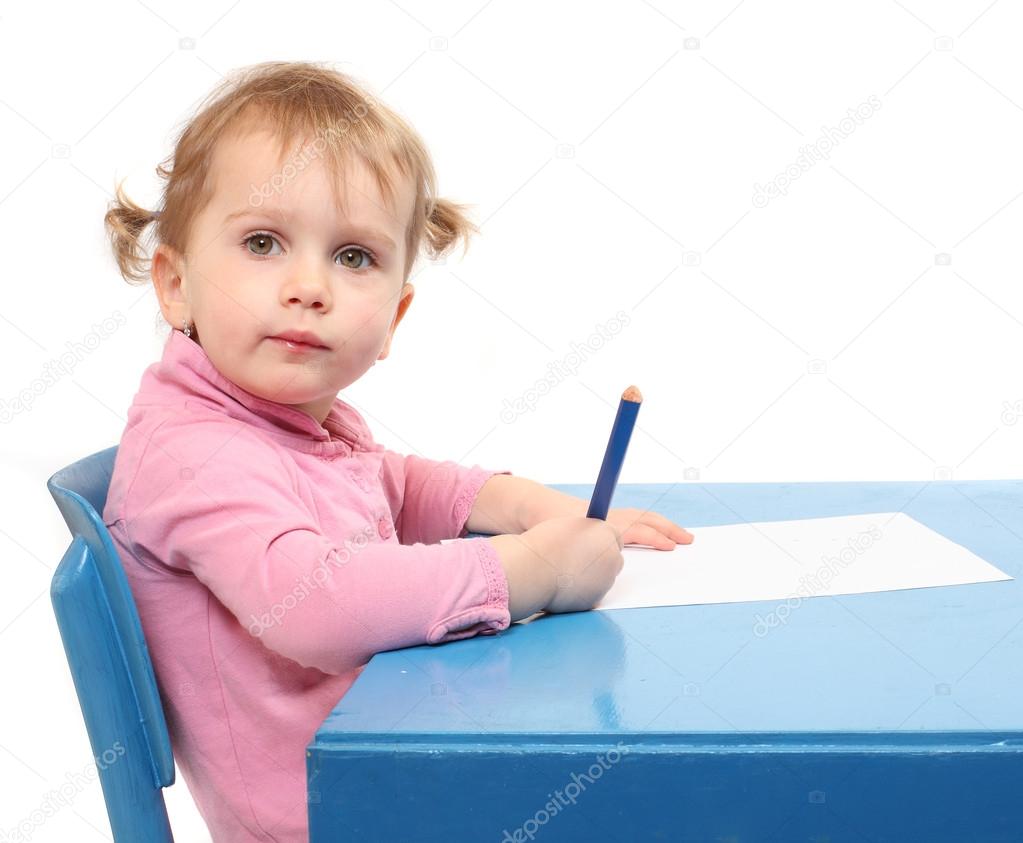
<point x="270" y="254"/>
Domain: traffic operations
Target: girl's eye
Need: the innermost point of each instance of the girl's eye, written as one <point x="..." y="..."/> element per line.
<point x="353" y="252"/>
<point x="264" y="241"/>
<point x="352" y="257"/>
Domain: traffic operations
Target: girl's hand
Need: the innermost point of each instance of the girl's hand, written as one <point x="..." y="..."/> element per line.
<point x="564" y="564"/>
<point x="638" y="526"/>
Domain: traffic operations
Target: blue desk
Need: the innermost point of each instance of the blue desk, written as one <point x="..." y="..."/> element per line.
<point x="874" y="717"/>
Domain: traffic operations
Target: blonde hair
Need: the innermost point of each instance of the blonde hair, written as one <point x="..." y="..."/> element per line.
<point x="292" y="100"/>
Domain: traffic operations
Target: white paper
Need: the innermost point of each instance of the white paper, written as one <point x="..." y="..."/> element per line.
<point x="809" y="557"/>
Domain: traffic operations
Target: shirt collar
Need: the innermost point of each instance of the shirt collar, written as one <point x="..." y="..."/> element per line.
<point x="186" y="375"/>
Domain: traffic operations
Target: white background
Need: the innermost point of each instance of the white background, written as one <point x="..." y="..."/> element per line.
<point x="865" y="325"/>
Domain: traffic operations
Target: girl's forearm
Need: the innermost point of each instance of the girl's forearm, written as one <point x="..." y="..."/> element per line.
<point x="509" y="504"/>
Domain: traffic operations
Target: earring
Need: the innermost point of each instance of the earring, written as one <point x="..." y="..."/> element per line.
<point x="187" y="329"/>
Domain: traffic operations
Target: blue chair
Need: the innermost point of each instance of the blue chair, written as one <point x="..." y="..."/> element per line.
<point x="109" y="661"/>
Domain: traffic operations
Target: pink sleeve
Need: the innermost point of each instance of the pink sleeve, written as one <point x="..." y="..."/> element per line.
<point x="430" y="500"/>
<point x="219" y="503"/>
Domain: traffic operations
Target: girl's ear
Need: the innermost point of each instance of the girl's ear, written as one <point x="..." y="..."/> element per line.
<point x="407" y="293"/>
<point x="167" y="272"/>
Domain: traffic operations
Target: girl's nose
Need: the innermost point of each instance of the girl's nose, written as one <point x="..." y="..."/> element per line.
<point x="309" y="290"/>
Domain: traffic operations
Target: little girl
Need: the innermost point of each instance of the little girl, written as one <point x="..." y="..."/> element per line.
<point x="272" y="545"/>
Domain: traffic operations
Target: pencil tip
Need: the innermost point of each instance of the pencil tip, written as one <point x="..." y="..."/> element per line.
<point x="633" y="394"/>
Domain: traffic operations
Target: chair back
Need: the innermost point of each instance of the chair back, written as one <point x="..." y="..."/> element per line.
<point x="110" y="665"/>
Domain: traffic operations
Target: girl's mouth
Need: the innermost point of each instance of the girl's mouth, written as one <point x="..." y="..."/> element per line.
<point x="295" y="346"/>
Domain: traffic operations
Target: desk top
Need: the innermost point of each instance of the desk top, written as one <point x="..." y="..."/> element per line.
<point x="899" y="665"/>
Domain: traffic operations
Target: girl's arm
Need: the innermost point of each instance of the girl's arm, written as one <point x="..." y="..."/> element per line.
<point x="516" y="504"/>
<point x="507" y="504"/>
<point x="432" y="500"/>
<point x="232" y="519"/>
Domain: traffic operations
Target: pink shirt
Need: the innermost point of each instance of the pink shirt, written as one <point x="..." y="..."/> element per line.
<point x="270" y="557"/>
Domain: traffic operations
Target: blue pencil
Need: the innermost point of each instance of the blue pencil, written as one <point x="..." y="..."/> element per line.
<point x="614" y="456"/>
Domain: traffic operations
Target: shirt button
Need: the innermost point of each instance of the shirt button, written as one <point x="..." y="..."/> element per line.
<point x="384" y="528"/>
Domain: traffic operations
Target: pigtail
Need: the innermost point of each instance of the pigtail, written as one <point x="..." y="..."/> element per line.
<point x="446" y="223"/>
<point x="125" y="222"/>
